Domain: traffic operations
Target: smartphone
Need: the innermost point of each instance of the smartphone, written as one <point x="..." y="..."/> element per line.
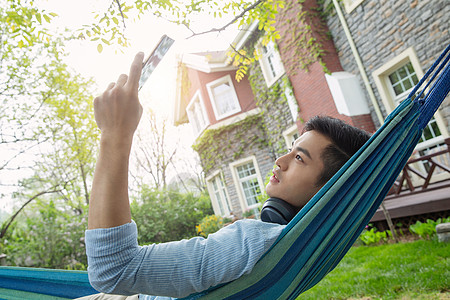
<point x="149" y="65"/>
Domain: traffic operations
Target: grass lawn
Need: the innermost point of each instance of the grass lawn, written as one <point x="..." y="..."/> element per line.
<point x="414" y="270"/>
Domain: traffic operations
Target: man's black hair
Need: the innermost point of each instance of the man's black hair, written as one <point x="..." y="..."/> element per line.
<point x="346" y="141"/>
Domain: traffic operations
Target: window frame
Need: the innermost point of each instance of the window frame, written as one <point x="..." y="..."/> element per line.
<point x="197" y="97"/>
<point x="210" y="86"/>
<point x="237" y="182"/>
<point x="388" y="97"/>
<point x="288" y="135"/>
<point x="214" y="201"/>
<point x="264" y="63"/>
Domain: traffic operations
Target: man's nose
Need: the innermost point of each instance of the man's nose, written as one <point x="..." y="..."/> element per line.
<point x="281" y="162"/>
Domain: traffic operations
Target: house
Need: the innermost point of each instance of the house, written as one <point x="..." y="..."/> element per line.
<point x="376" y="53"/>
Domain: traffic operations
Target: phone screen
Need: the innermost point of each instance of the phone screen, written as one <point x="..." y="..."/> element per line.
<point x="154" y="58"/>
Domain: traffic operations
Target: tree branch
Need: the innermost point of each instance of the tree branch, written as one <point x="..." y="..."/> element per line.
<point x="121" y="13"/>
<point x="227" y="24"/>
<point x="5" y="227"/>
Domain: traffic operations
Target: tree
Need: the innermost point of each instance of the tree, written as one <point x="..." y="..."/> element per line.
<point x="46" y="116"/>
<point x="153" y="153"/>
<point x="25" y="49"/>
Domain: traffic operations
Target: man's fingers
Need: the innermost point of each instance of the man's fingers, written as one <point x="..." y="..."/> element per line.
<point x="135" y="71"/>
<point x="111" y="85"/>
<point x="122" y="80"/>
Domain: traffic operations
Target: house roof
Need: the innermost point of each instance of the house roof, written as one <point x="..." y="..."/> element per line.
<point x="208" y="62"/>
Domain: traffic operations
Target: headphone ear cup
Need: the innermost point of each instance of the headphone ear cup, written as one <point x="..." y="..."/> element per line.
<point x="277" y="211"/>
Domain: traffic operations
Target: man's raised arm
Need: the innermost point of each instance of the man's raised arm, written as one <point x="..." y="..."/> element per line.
<point x="117" y="113"/>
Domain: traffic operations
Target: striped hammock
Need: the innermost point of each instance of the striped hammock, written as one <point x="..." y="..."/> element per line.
<point x="314" y="242"/>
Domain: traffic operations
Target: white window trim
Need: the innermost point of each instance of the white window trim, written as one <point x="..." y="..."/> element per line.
<point x="212" y="195"/>
<point x="263" y="64"/>
<point x="350" y="5"/>
<point x="209" y="87"/>
<point x="237" y="184"/>
<point x="198" y="96"/>
<point x="291" y="102"/>
<point x="288" y="135"/>
<point x="381" y="81"/>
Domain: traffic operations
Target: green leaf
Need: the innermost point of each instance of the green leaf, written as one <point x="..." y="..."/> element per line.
<point x="47" y="18"/>
<point x="99" y="48"/>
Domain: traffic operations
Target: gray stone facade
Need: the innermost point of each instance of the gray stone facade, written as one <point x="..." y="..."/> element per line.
<point x="383" y="29"/>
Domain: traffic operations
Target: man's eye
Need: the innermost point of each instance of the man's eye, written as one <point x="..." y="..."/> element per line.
<point x="298" y="157"/>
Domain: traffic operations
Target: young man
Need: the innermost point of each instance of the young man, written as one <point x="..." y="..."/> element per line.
<point x="118" y="265"/>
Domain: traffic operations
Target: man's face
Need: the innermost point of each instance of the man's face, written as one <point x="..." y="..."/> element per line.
<point x="295" y="177"/>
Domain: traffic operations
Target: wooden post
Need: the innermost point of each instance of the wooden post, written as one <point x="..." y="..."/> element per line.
<point x="389" y="221"/>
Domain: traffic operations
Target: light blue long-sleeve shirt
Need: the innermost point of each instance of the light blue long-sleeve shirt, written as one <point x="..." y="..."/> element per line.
<point x="118" y="265"/>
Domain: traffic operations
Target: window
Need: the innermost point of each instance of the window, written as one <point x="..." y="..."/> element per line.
<point x="270" y="62"/>
<point x="395" y="80"/>
<point x="223" y="97"/>
<point x="290" y="135"/>
<point x="197" y="114"/>
<point x="218" y="194"/>
<point x="402" y="80"/>
<point x="248" y="181"/>
<point x="292" y="103"/>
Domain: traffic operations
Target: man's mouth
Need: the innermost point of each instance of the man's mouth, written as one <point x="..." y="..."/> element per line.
<point x="274" y="178"/>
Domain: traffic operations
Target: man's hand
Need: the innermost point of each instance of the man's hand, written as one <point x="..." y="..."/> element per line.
<point x="117" y="110"/>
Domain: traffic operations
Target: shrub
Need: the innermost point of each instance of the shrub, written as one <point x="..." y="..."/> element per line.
<point x="47" y="236"/>
<point x="210" y="224"/>
<point x="427" y="230"/>
<point x="372" y="236"/>
<point x="166" y="215"/>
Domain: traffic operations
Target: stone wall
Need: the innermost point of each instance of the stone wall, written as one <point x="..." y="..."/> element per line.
<point x="231" y="143"/>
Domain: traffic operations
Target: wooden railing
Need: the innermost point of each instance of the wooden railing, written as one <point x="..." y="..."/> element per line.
<point x="405" y="181"/>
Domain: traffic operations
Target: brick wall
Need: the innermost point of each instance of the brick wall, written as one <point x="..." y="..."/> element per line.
<point x="310" y="86"/>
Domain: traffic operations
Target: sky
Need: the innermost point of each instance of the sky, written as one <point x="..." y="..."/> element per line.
<point x="158" y="94"/>
<point x="143" y="35"/>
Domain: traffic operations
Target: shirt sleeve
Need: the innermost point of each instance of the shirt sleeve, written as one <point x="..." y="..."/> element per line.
<point x="116" y="264"/>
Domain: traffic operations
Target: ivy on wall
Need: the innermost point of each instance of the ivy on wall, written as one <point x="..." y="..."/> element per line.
<point x="298" y="39"/>
<point x="215" y="145"/>
<point x="274" y="108"/>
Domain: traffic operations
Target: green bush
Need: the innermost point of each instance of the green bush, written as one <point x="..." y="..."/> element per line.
<point x="372" y="236"/>
<point x="167" y="215"/>
<point x="427" y="230"/>
<point x="211" y="224"/>
<point x="47" y="236"/>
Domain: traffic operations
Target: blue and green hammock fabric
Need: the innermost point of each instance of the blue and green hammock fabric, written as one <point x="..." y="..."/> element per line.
<point x="314" y="242"/>
<point x="35" y="283"/>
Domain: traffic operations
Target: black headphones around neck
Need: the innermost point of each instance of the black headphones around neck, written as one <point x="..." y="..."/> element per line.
<point x="277" y="211"/>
